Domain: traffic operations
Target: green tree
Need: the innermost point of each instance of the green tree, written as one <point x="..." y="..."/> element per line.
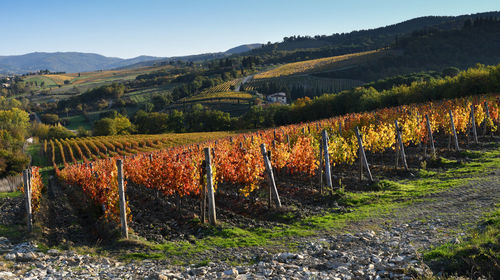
<point x="107" y="126"/>
<point x="49" y="118"/>
<point x="104" y="127"/>
<point x="59" y="131"/>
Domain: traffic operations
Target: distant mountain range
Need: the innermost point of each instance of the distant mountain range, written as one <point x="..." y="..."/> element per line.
<point x="197" y="57"/>
<point x="72" y="62"/>
<point x="63" y="62"/>
<point x="291" y="49"/>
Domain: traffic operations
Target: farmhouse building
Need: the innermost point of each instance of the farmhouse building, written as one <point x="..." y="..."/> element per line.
<point x="279" y="97"/>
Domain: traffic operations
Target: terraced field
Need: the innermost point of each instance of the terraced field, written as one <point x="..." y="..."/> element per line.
<point x="216" y="95"/>
<point x="73" y="150"/>
<point x="318" y="65"/>
<point x="304" y="81"/>
<point x="224" y="86"/>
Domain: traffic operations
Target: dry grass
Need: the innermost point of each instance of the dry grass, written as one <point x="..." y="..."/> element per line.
<point x="224" y="87"/>
<point x="314" y="65"/>
<point x="59" y="79"/>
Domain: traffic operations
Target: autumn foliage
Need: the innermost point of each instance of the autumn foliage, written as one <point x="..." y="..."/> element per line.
<point x="294" y="149"/>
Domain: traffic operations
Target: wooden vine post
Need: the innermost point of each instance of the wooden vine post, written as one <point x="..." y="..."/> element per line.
<point x="362" y="157"/>
<point x="473" y="123"/>
<point x="27" y="199"/>
<point x="203" y="202"/>
<point x="487" y="118"/>
<point x="401" y="145"/>
<point x="270" y="176"/>
<point x="431" y="138"/>
<point x="212" y="218"/>
<point x="320" y="168"/>
<point x="123" y="203"/>
<point x="452" y="123"/>
<point x="328" y="170"/>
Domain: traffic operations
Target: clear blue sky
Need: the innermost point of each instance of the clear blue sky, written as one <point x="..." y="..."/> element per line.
<point x="127" y="28"/>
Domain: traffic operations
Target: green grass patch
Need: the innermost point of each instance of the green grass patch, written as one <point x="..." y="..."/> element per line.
<point x="74" y="122"/>
<point x="144" y="256"/>
<point x="38" y="80"/>
<point x="35" y="151"/>
<point x="384" y="197"/>
<point x="480" y="252"/>
<point x="13" y="232"/>
<point x="10" y="194"/>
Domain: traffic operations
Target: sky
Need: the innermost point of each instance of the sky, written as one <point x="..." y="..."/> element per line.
<point x="128" y="28"/>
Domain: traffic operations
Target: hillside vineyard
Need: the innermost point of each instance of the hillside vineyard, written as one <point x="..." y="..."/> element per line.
<point x="294" y="149"/>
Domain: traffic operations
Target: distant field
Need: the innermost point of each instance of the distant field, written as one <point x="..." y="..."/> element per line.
<point x="77" y="121"/>
<point x="316" y="65"/>
<point x="38" y="80"/>
<point x="126" y="74"/>
<point x="59" y="79"/>
<point x="72" y="150"/>
<point x="87" y="80"/>
<point x="143" y="95"/>
<point x="232" y="94"/>
<point x="224" y="86"/>
<point x="306" y="82"/>
<point x="234" y="103"/>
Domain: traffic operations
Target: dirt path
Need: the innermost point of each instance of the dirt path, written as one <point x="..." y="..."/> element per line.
<point x="246" y="79"/>
<point x="388" y="245"/>
<point x="441" y="216"/>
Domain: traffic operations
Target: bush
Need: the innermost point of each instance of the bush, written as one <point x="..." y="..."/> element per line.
<point x="40" y="130"/>
<point x="49" y="118"/>
<point x="59" y="131"/>
<point x="117" y="126"/>
<point x="12" y="163"/>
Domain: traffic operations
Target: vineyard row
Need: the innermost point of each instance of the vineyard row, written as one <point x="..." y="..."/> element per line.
<point x="294" y="149"/>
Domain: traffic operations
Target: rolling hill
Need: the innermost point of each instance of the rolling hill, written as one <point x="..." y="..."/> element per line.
<point x="299" y="48"/>
<point x="64" y="62"/>
<point x="73" y="62"/>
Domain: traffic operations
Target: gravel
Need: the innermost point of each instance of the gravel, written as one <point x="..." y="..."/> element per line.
<point x="378" y="248"/>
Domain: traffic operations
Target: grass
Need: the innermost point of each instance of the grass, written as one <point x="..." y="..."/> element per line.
<point x="315" y="65"/>
<point x="59" y="79"/>
<point x="480" y="252"/>
<point x="74" y="122"/>
<point x="37" y="159"/>
<point x="223" y="87"/>
<point x="306" y="81"/>
<point x="39" y="79"/>
<point x="391" y="195"/>
<point x="13" y="232"/>
<point x="232" y="94"/>
<point x="10" y="194"/>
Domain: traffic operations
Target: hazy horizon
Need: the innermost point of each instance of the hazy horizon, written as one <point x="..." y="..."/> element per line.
<point x="128" y="29"/>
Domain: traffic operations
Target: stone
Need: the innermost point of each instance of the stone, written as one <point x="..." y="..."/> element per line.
<point x="231" y="272"/>
<point x="26" y="257"/>
<point x="6" y="274"/>
<point x="282" y="257"/>
<point x="162" y="277"/>
<point x="10" y="256"/>
<point x="267" y="272"/>
<point x="398" y="259"/>
<point x="53" y="252"/>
